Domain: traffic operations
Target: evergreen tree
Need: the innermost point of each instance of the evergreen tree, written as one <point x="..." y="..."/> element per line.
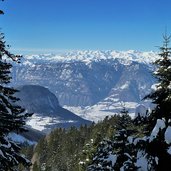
<point x="124" y="121"/>
<point x="161" y="97"/>
<point x="104" y="159"/>
<point x="117" y="153"/>
<point x="123" y="150"/>
<point x="161" y="115"/>
<point x="153" y="151"/>
<point x="12" y="116"/>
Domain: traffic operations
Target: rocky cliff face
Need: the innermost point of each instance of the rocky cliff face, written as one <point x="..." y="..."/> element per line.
<point x="48" y="114"/>
<point x="37" y="99"/>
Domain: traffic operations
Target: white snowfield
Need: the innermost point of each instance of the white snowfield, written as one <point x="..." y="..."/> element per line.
<point x="39" y="123"/>
<point x="99" y="111"/>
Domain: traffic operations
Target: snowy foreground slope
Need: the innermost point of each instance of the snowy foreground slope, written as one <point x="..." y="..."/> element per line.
<point x="92" y="84"/>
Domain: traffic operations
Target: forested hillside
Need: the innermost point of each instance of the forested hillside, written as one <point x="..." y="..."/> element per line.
<point x="73" y="149"/>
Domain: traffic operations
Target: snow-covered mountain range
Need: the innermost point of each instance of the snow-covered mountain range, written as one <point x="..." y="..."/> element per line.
<point x="89" y="56"/>
<point x="92" y="84"/>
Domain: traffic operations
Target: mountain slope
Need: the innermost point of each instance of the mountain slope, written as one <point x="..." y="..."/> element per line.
<point x="48" y="114"/>
<point x="91" y="82"/>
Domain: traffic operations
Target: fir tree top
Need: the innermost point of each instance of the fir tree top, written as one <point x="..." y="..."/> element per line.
<point x="161" y="96"/>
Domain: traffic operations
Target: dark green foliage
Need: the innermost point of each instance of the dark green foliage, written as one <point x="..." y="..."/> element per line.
<point x="161" y="97"/>
<point x="73" y="149"/>
<point x="59" y="149"/>
<point x="100" y="161"/>
<point x="125" y="120"/>
<point x="120" y="142"/>
<point x="12" y="116"/>
<point x="36" y="167"/>
<point x="154" y="146"/>
<point x="112" y="153"/>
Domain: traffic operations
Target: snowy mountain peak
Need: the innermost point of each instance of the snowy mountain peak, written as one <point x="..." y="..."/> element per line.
<point x="88" y="56"/>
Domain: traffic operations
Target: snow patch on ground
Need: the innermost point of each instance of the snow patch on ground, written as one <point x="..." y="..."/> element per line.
<point x="168" y="135"/>
<point x="40" y="123"/>
<point x="159" y="126"/>
<point x="99" y="111"/>
<point x="141" y="110"/>
<point x="112" y="158"/>
<point x="142" y="161"/>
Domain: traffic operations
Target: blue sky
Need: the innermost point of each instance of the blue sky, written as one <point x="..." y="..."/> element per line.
<point x="34" y="26"/>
